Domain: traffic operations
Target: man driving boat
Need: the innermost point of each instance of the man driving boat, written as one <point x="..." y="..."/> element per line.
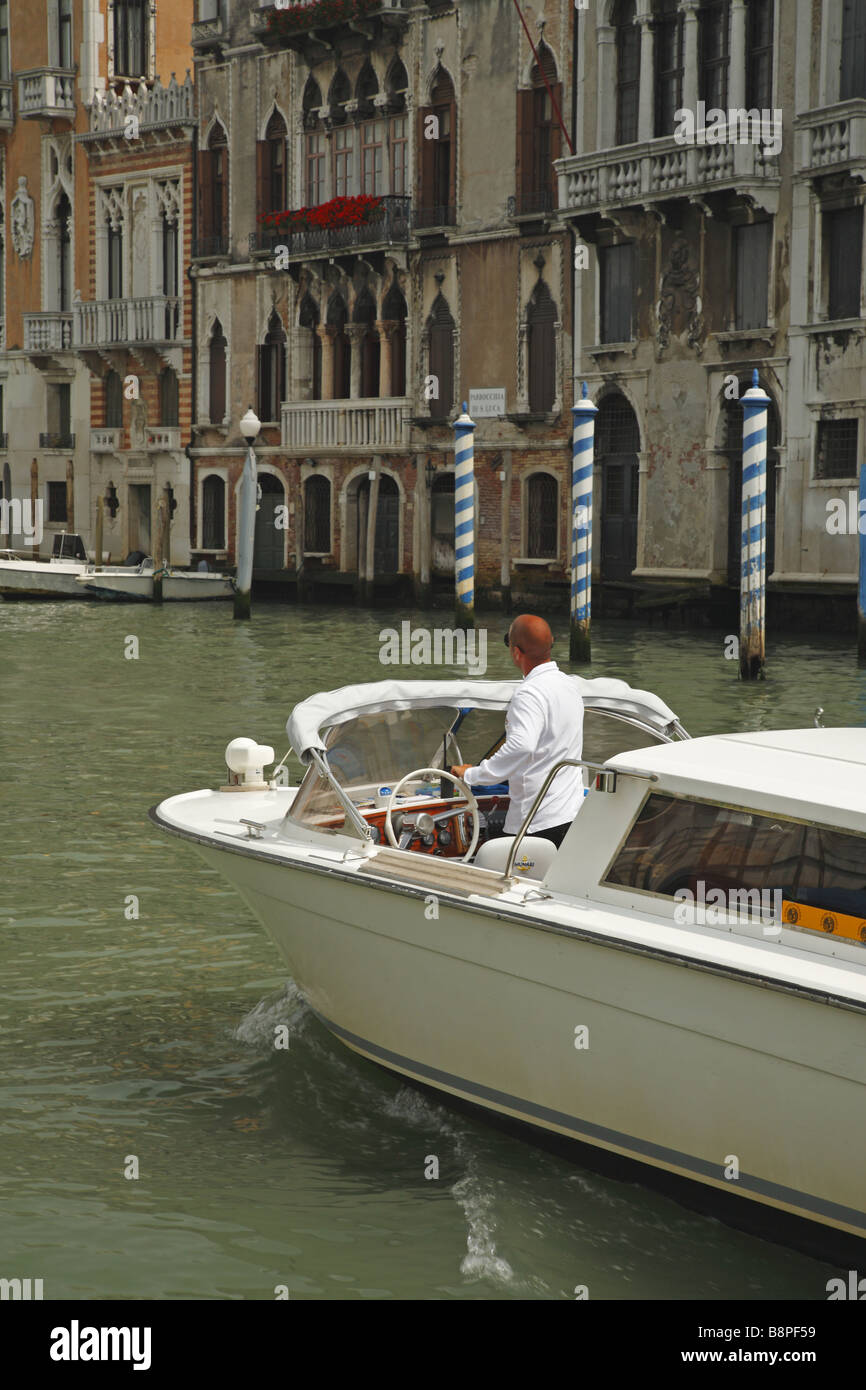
<point x="543" y="724"/>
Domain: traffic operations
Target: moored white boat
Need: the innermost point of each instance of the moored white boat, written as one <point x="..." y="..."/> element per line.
<point x="22" y="577"/>
<point x="586" y="991"/>
<point x="113" y="582"/>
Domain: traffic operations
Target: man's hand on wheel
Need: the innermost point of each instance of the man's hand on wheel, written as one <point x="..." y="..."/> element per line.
<point x="461" y="769"/>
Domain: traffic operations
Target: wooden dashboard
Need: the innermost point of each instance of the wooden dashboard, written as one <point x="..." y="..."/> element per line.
<point x="457" y="829"/>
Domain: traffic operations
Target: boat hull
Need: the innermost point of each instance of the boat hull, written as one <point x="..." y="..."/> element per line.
<point x="138" y="588"/>
<point x="18" y="579"/>
<point x="751" y="1090"/>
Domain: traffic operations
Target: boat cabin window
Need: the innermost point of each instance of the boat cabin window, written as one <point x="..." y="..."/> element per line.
<point x="677" y="844"/>
<point x="375" y="751"/>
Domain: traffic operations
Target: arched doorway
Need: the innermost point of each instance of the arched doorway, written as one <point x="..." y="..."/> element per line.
<point x="386" y="546"/>
<point x="617" y="443"/>
<point x="268" y="548"/>
<point x="731" y="430"/>
<point x="442" y="524"/>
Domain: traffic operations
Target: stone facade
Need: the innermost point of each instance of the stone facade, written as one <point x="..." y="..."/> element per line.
<point x="64" y="88"/>
<point x="464" y="277"/>
<point x="744" y="256"/>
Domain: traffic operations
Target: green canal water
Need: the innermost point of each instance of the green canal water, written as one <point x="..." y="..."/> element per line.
<point x="153" y="1037"/>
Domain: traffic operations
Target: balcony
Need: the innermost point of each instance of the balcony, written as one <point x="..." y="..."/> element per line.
<point x="57" y="439"/>
<point x="831" y="139"/>
<point x="105" y="441"/>
<point x="390" y="226"/>
<point x="48" y="93"/>
<point x="360" y="424"/>
<point x="47" y="333"/>
<point x="7" y="115"/>
<point x="431" y="219"/>
<point x="163" y="439"/>
<point x="128" y="322"/>
<point x="155" y="108"/>
<point x="310" y="23"/>
<point x="535" y="203"/>
<point x="659" y="171"/>
<point x="216" y="244"/>
<point x="207" y="35"/>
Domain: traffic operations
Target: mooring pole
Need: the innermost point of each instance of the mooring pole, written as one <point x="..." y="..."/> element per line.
<point x="582" y="453"/>
<point x="160" y="558"/>
<point x="753" y="554"/>
<point x="97" y="543"/>
<point x="861" y="586"/>
<point x="247" y="504"/>
<point x="464" y="519"/>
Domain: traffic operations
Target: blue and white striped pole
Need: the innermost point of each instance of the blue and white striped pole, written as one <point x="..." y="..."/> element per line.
<point x="753" y="555"/>
<point x="861" y="586"/>
<point x="464" y="519"/>
<point x="582" y="452"/>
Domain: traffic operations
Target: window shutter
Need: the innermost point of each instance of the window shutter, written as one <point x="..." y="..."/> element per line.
<point x="263" y="200"/>
<point x="524" y="146"/>
<point x="452" y="170"/>
<point x="205" y="193"/>
<point x="556" y="131"/>
<point x="425" y="161"/>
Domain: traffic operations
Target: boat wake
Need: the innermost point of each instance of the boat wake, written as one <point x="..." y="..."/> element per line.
<point x="473" y="1194"/>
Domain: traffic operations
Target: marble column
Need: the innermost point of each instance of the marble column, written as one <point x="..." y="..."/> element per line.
<point x="327" y="338"/>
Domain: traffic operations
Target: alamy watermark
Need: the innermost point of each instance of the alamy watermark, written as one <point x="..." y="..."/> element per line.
<point x="441" y="646"/>
<point x="716" y="906"/>
<point x="22" y="518"/>
<point x="736" y="126"/>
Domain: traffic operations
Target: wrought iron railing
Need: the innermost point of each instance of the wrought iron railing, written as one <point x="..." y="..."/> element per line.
<point x="391" y="223"/>
<point x="56" y="439"/>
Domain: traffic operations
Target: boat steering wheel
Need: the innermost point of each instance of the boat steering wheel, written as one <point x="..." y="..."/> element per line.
<point x="471" y="806"/>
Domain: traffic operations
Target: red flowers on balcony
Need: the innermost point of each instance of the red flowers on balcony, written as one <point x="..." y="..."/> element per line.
<point x="318" y="15"/>
<point x="339" y="212"/>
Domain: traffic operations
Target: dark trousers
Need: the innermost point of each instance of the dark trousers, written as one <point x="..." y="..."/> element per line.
<point x="556" y="833"/>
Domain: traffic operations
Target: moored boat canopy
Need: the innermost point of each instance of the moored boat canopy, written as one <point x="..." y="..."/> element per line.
<point x="312" y="718"/>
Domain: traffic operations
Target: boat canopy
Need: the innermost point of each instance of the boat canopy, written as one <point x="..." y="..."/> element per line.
<point x="312" y="718"/>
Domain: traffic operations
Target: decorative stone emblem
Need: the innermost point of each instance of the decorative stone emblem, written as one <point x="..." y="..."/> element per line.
<point x="679" y="305"/>
<point x="23" y="220"/>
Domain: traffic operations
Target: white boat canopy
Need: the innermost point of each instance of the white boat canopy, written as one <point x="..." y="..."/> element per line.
<point x="313" y="717"/>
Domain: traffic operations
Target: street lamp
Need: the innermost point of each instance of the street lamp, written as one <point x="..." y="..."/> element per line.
<point x="247" y="497"/>
<point x="250" y="426"/>
<point x="430" y="474"/>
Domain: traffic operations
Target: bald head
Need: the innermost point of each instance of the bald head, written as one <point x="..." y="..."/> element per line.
<point x="533" y="637"/>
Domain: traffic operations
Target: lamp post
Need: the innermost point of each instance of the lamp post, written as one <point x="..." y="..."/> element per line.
<point x="247" y="500"/>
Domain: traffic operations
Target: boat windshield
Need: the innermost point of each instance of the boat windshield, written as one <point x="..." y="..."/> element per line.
<point x="377" y="750"/>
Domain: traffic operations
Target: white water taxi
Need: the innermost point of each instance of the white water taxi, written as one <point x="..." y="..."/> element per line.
<point x="68" y="573"/>
<point x="630" y="990"/>
<point x="23" y="577"/>
<point x="135" y="584"/>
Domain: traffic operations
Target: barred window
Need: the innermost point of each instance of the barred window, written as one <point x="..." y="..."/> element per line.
<point x="836" y="453"/>
<point x="541" y="498"/>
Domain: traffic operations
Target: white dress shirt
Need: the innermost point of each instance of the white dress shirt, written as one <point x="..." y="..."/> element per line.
<point x="543" y="723"/>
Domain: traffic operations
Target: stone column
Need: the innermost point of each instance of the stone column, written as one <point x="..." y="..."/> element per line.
<point x="690" y="54"/>
<point x="737" y="60"/>
<point x="386" y="329"/>
<point x="327" y="337"/>
<point x="646" y="102"/>
<point x="355" y="333"/>
<point x="606" y="78"/>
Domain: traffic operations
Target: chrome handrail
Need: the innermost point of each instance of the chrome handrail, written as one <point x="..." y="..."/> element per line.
<point x="351" y="809"/>
<point x="565" y="762"/>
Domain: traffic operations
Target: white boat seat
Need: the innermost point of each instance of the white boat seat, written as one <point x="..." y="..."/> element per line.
<point x="534" y="857"/>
